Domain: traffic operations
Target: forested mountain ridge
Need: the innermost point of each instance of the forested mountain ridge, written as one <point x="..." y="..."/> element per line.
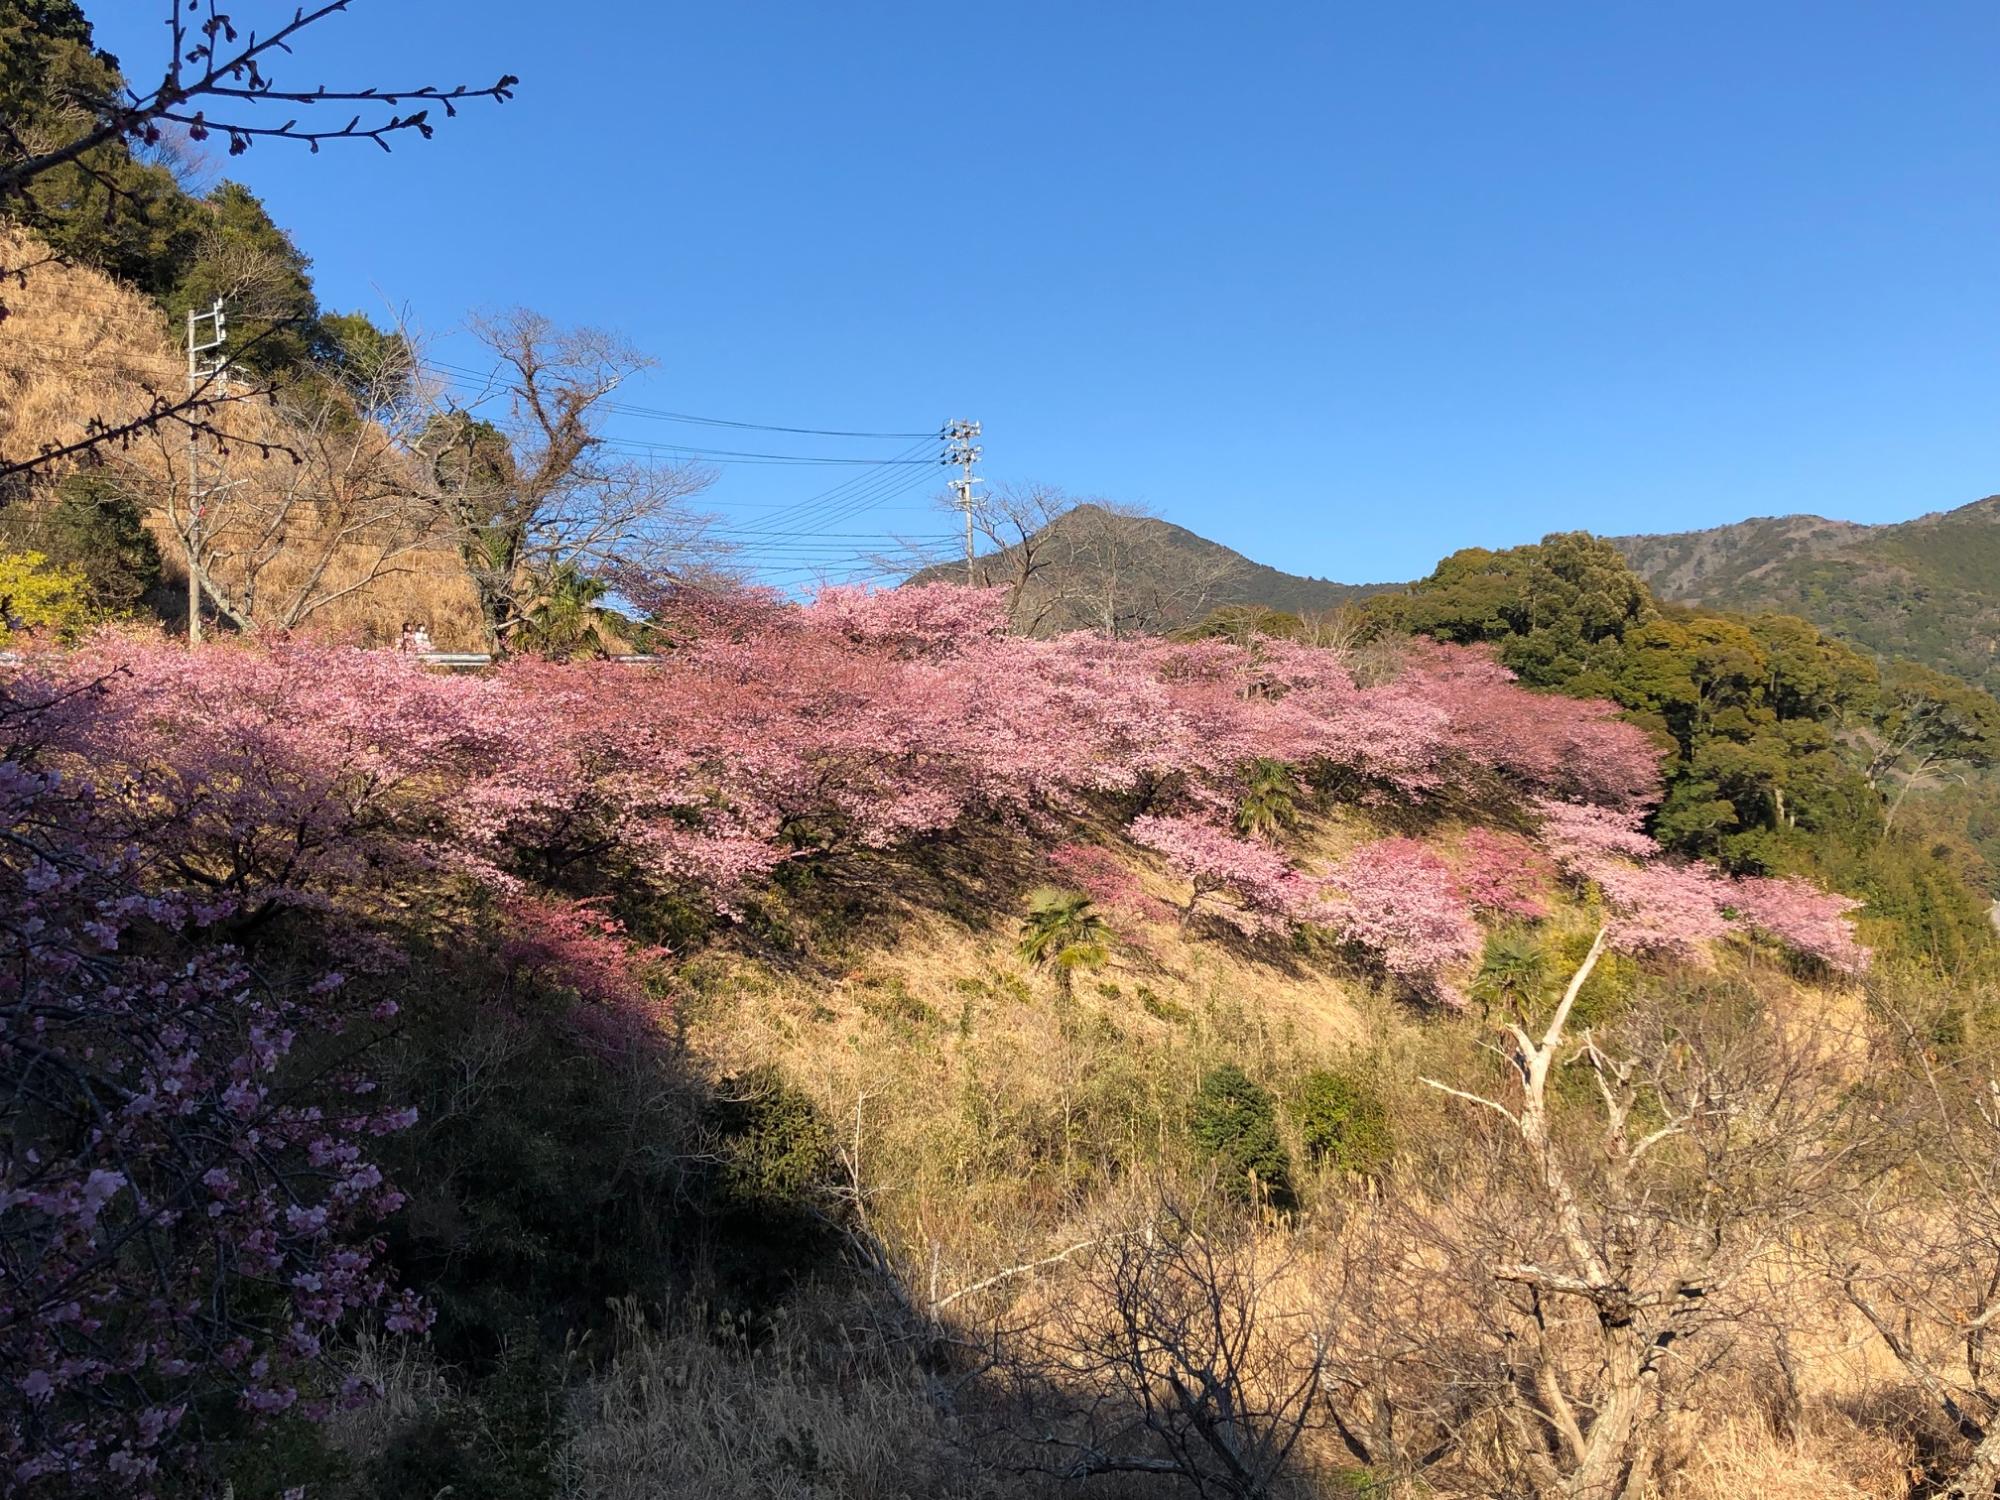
<point x="1927" y="589"/>
<point x="1093" y="565"/>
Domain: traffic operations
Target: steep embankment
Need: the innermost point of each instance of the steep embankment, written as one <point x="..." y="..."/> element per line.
<point x="79" y="349"/>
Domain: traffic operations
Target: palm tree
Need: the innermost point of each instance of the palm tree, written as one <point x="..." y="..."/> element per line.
<point x="1063" y="933"/>
<point x="567" y="620"/>
<point x="1268" y="806"/>
<point x="1511" y="972"/>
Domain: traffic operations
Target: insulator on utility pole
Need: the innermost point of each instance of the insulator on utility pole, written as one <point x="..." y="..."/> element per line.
<point x="965" y="453"/>
<point x="207" y="334"/>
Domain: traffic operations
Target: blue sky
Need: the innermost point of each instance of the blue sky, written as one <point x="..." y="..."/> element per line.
<point x="1345" y="286"/>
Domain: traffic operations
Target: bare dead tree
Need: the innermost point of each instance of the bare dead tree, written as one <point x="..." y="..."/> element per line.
<point x="281" y="539"/>
<point x="1917" y="1251"/>
<point x="1343" y="628"/>
<point x="1169" y="1352"/>
<point x="1015" y="521"/>
<point x="1399" y="1374"/>
<point x="213" y="83"/>
<point x="1615" y="1258"/>
<point x="542" y="489"/>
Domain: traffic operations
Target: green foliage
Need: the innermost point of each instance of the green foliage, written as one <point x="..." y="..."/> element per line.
<point x="1512" y="970"/>
<point x="1930" y="719"/>
<point x="1604" y="994"/>
<point x="1922" y="901"/>
<point x="1343" y="1121"/>
<point x="95" y="527"/>
<point x="1063" y="933"/>
<point x="777" y="1150"/>
<point x="37" y="595"/>
<point x="889" y="999"/>
<point x="1270" y="804"/>
<point x="1235" y="1125"/>
<point x="246" y="259"/>
<point x="1555" y="609"/>
<point x="1789" y="752"/>
<point x="372" y="365"/>
<point x="566" y="620"/>
<point x="108" y="208"/>
<point x="1927" y="589"/>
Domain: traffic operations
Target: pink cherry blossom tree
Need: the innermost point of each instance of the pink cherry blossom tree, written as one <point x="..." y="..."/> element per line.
<point x="187" y="1205"/>
<point x="1268" y="892"/>
<point x="1398" y="899"/>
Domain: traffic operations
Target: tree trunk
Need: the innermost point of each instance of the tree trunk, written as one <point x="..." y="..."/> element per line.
<point x="1981" y="1479"/>
<point x="1611" y="1446"/>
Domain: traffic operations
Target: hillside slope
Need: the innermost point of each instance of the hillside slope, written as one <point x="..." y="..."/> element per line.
<point x="78" y="346"/>
<point x="1094" y="567"/>
<point x="1927" y="589"/>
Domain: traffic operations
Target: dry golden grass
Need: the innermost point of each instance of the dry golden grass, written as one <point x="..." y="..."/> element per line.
<point x="78" y="346"/>
<point x="986" y="1105"/>
<point x="1828" y="1456"/>
<point x="75" y="345"/>
<point x="809" y="1413"/>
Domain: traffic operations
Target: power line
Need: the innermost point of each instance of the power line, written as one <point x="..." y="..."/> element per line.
<point x="658" y="414"/>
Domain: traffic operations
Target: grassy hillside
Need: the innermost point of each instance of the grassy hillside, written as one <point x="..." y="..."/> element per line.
<point x="1928" y="589"/>
<point x="77" y="345"/>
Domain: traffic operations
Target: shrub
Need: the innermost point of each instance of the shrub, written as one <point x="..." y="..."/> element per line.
<point x="1235" y="1124"/>
<point x="36" y="594"/>
<point x="96" y="527"/>
<point x="1343" y="1122"/>
<point x="777" y="1147"/>
<point x="769" y="1209"/>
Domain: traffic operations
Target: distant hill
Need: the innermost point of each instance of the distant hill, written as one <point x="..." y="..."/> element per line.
<point x="1927" y="589"/>
<point x="1094" y="566"/>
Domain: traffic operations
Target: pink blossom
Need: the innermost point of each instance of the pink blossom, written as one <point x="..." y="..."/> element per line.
<point x="1804" y="918"/>
<point x="1268" y="891"/>
<point x="1401" y="901"/>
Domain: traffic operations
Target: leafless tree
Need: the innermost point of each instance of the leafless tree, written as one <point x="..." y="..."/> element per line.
<point x="1117" y="569"/>
<point x="335" y="503"/>
<point x="211" y="65"/>
<point x="1917" y="1251"/>
<point x="213" y="84"/>
<point x="1615" y="1243"/>
<point x="1171" y="1352"/>
<point x="1016" y="522"/>
<point x="541" y="488"/>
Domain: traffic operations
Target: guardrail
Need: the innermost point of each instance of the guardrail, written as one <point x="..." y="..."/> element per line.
<point x="485" y="659"/>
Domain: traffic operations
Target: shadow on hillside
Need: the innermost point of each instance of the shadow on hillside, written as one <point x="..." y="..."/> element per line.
<point x="976" y="877"/>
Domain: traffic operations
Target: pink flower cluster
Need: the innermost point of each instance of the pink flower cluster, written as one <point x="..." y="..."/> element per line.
<point x="1400" y="900"/>
<point x="1676" y="909"/>
<point x="1110" y="884"/>
<point x="1268" y="892"/>
<point x="180" y="1217"/>
<point x="575" y="945"/>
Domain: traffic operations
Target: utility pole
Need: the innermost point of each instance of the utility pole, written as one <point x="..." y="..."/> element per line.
<point x="965" y="453"/>
<point x="207" y="333"/>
